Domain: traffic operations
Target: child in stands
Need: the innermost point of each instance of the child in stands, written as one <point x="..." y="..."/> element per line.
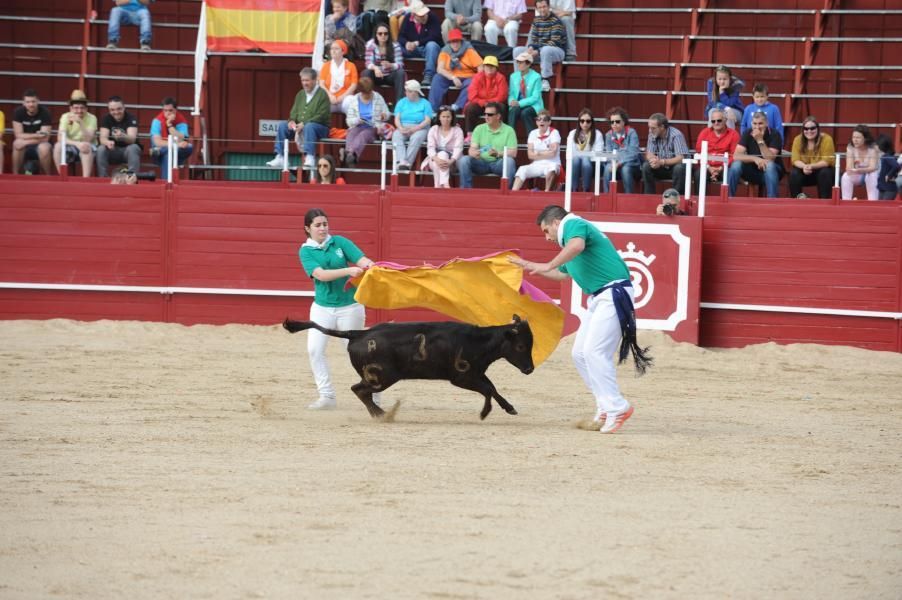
<point x="761" y="103"/>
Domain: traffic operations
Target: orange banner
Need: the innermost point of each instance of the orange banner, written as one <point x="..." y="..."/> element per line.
<point x="279" y="26"/>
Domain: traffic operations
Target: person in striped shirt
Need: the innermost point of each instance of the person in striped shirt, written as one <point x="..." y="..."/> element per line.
<point x="547" y="41"/>
<point x="664" y="154"/>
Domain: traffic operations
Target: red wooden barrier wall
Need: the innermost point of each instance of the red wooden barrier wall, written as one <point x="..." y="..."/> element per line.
<point x="217" y="235"/>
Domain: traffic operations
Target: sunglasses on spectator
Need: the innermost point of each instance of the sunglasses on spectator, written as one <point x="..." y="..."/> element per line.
<point x="321" y="165"/>
<point x="585" y="120"/>
<point x="813" y="128"/>
<point x="381" y="33"/>
<point x="717" y="120"/>
<point x="491" y="114"/>
<point x="616" y="121"/>
<point x="542" y="119"/>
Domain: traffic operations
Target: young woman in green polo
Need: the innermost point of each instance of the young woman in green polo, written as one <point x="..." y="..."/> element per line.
<point x="330" y="260"/>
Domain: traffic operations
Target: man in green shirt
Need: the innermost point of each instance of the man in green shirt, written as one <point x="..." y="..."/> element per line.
<point x="493" y="145"/>
<point x="589" y="257"/>
<point x="309" y="118"/>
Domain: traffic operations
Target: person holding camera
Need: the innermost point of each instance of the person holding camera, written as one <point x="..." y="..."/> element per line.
<point x="169" y="122"/>
<point x="670" y="204"/>
<point x="118" y="139"/>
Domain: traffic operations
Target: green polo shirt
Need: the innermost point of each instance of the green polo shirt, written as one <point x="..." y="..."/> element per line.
<point x="599" y="263"/>
<point x="336" y="253"/>
<point x="484" y="138"/>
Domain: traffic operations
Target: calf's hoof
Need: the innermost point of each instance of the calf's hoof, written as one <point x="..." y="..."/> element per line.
<point x="511" y="410"/>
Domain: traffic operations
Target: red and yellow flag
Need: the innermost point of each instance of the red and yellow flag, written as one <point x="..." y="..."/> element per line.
<point x="283" y="26"/>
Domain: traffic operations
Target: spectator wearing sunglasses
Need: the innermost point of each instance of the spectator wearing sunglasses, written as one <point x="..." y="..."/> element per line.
<point x="721" y="140"/>
<point x="325" y="172"/>
<point x="385" y="61"/>
<point x="812" y="160"/>
<point x="585" y="138"/>
<point x="625" y="141"/>
<point x="492" y="145"/>
<point x="544" y="149"/>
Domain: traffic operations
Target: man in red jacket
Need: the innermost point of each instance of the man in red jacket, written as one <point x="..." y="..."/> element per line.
<point x="721" y="139"/>
<point x="487" y="86"/>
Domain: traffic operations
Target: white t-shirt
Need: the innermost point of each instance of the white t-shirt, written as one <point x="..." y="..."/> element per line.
<point x="543" y="143"/>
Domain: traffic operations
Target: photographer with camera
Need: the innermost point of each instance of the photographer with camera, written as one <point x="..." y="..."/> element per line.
<point x="670" y="204"/>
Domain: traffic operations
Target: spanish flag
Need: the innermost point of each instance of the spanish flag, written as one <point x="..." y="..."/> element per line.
<point x="483" y="291"/>
<point x="279" y="26"/>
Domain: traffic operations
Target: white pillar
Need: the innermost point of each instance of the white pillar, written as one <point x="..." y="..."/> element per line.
<point x="568" y="188"/>
<point x="384" y="149"/>
<point x="703" y="179"/>
<point x="285" y="154"/>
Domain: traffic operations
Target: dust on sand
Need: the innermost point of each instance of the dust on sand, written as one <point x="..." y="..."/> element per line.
<point x="144" y="460"/>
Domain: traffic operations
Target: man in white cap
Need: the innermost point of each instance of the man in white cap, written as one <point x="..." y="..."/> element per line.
<point x="421" y="37"/>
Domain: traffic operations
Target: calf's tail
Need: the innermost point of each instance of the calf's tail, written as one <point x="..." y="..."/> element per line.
<point x="295" y="326"/>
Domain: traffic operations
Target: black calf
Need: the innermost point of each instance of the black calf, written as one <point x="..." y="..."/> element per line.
<point x="456" y="352"/>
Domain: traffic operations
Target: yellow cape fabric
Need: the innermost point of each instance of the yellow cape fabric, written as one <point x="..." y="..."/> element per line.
<point x="483" y="292"/>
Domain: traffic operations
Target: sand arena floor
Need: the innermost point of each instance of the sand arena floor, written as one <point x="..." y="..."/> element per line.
<point x="145" y="460"/>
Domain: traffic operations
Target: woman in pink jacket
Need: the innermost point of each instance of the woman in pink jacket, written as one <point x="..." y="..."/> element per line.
<point x="444" y="146"/>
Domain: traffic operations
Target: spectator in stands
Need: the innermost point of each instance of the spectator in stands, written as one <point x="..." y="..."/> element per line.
<point x="503" y="16"/>
<point x="585" y="138"/>
<point x="396" y="17"/>
<point x="421" y="37"/>
<point x="457" y="64"/>
<point x="374" y="13"/>
<point x="723" y="92"/>
<point x="340" y="25"/>
<point x="32" y="124"/>
<point x="385" y="61"/>
<point x="624" y="140"/>
<point x="544" y="150"/>
<point x="664" y="154"/>
<point x="169" y="122"/>
<point x="761" y="104"/>
<point x="325" y="173"/>
<point x="492" y="146"/>
<point x="465" y="15"/>
<point x="565" y="10"/>
<point x="339" y="78"/>
<point x="862" y="164"/>
<point x="757" y="157"/>
<point x="721" y="140"/>
<point x="80" y="127"/>
<point x="812" y="160"/>
<point x="367" y="116"/>
<point x="413" y="116"/>
<point x="118" y="139"/>
<point x="130" y="12"/>
<point x="309" y="120"/>
<point x="524" y="94"/>
<point x="444" y="147"/>
<point x="487" y="86"/>
<point x="887" y="187"/>
<point x="547" y="41"/>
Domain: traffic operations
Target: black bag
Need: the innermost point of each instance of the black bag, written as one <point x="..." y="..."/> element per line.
<point x="502" y="53"/>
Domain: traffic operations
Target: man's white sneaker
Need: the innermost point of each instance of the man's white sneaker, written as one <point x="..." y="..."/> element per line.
<point x="323" y="404"/>
<point x="309" y="162"/>
<point x="277" y="163"/>
<point x="614" y="422"/>
<point x="546" y="85"/>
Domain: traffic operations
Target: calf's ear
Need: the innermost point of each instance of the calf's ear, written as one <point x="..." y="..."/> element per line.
<point x="515" y="319"/>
